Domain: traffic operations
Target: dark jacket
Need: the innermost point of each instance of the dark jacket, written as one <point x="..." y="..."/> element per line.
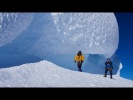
<point x="108" y="65"/>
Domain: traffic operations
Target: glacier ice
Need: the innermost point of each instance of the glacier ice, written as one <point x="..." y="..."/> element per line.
<point x="60" y="33"/>
<point x="12" y="24"/>
<point x="53" y="36"/>
<point x="93" y="33"/>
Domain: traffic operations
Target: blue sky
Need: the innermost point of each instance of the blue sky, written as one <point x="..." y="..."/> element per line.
<point x="125" y="48"/>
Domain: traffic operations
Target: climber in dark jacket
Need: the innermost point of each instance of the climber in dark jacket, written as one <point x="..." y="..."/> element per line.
<point x="108" y="66"/>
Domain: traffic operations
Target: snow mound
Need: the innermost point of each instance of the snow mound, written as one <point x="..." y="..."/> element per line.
<point x="47" y="74"/>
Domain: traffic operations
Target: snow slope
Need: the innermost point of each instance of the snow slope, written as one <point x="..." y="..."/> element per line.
<point x="47" y="74"/>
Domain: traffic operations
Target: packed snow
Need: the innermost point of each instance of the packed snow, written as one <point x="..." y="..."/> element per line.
<point x="47" y="74"/>
<point x="38" y="49"/>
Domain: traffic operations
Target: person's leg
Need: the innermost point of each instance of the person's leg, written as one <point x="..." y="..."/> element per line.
<point x="110" y="73"/>
<point x="79" y="66"/>
<point x="106" y="72"/>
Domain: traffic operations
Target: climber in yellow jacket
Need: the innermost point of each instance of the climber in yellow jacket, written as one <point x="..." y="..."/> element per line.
<point x="79" y="58"/>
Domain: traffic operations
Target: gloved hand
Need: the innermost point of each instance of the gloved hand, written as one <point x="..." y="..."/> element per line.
<point x="75" y="61"/>
<point x="82" y="61"/>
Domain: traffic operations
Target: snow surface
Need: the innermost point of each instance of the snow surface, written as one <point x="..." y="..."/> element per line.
<point x="38" y="49"/>
<point x="47" y="74"/>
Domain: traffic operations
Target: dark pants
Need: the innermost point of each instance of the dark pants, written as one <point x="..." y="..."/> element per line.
<point x="79" y="64"/>
<point x="107" y="71"/>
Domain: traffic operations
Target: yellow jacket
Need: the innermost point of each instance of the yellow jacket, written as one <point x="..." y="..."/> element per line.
<point x="79" y="58"/>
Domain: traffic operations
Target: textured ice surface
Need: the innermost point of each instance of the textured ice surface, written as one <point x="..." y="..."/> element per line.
<point x="12" y="24"/>
<point x="45" y="34"/>
<point x="94" y="33"/>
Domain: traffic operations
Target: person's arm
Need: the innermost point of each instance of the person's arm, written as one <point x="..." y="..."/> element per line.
<point x="82" y="58"/>
<point x="111" y="65"/>
<point x="105" y="65"/>
<point x="75" y="58"/>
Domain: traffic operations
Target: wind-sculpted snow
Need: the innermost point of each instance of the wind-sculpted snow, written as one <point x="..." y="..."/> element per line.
<point x="12" y="24"/>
